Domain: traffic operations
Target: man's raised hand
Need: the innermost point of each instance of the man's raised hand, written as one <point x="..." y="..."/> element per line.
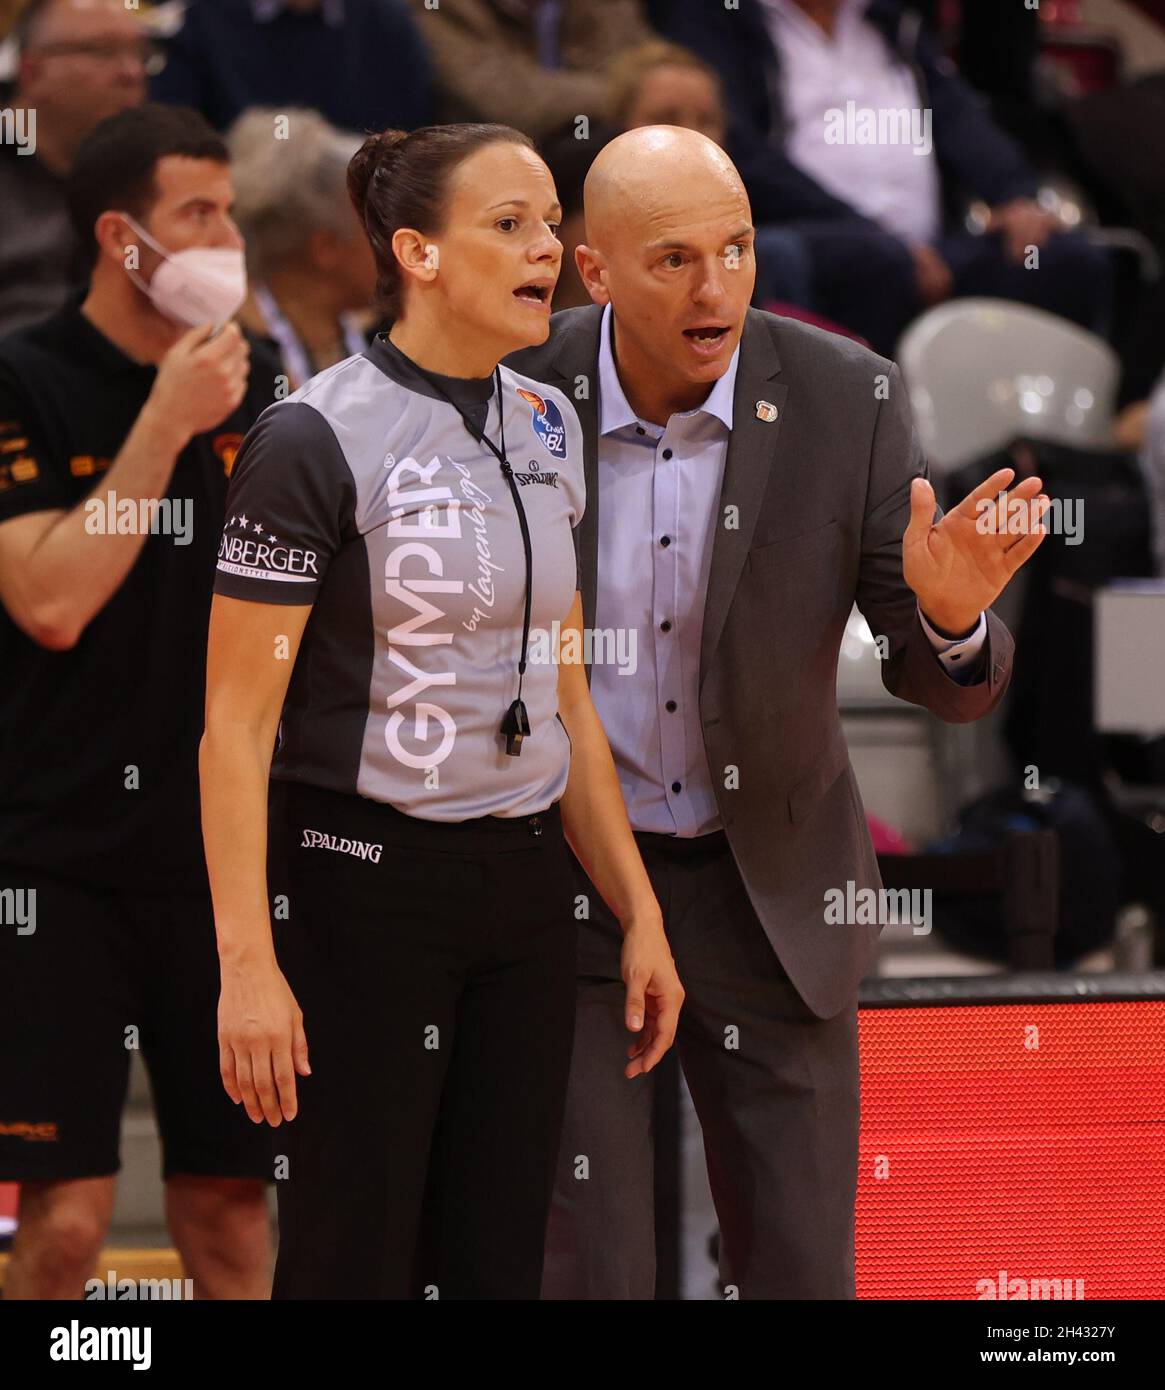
<point x="960" y="565"/>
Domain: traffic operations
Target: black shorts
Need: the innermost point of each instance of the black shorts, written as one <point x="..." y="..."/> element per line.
<point x="102" y="973"/>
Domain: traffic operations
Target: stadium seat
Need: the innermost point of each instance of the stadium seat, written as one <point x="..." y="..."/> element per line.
<point x="984" y="372"/>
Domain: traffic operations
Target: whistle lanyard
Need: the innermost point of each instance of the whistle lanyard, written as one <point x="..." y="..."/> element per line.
<point x="516" y="724"/>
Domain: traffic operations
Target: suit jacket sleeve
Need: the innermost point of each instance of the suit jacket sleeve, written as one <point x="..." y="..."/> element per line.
<point x="911" y="670"/>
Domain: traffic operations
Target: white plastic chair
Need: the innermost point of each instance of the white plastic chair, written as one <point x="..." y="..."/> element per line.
<point x="981" y="372"/>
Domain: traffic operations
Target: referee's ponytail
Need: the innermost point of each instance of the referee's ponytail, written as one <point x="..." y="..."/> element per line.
<point x="398" y="179"/>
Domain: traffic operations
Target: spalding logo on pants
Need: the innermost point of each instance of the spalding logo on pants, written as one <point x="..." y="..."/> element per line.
<point x="548" y="424"/>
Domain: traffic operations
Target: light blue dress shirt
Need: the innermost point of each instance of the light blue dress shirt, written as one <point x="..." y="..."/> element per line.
<point x="658" y="494"/>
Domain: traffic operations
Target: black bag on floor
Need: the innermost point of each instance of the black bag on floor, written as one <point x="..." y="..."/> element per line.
<point x="1090" y="870"/>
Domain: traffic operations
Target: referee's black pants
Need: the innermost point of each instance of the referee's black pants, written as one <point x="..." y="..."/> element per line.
<point x="435" y="966"/>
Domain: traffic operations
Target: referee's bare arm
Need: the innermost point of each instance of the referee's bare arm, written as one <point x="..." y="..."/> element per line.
<point x="55" y="575"/>
<point x="260" y="1025"/>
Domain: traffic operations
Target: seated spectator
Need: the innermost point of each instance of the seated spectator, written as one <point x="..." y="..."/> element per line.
<point x="358" y="62"/>
<point x="79" y="61"/>
<point x="532" y="64"/>
<point x="801" y="77"/>
<point x="311" y="269"/>
<point x="660" y="83"/>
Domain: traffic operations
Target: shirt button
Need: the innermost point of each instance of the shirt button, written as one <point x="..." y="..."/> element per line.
<point x="676" y="786"/>
<point x="667" y="453"/>
<point x="640" y="430"/>
<point x="670" y="707"/>
<point x="665" y="541"/>
<point x="665" y="626"/>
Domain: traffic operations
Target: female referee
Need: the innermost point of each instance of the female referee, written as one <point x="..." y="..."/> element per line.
<point x="396" y="529"/>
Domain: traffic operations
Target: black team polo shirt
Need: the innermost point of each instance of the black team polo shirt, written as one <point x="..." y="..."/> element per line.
<point x="79" y="728"/>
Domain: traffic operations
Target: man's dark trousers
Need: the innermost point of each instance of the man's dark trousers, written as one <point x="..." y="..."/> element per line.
<point x="774" y="1086"/>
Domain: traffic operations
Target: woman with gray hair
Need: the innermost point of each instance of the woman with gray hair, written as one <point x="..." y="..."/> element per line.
<point x="311" y="269"/>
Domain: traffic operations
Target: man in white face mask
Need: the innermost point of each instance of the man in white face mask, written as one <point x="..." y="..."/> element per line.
<point x="119" y="419"/>
<point x="194" y="286"/>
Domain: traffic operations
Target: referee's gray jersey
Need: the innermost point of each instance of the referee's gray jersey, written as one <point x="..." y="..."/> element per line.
<point x="364" y="494"/>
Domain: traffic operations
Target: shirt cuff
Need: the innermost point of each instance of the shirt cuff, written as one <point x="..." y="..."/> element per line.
<point x="961" y="659"/>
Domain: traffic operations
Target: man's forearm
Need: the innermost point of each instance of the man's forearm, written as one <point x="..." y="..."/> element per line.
<point x="74" y="569"/>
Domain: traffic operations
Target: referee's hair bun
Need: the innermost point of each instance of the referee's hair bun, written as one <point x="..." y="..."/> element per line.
<point x="374" y="157"/>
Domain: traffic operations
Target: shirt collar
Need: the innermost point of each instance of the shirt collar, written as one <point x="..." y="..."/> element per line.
<point x="265" y="11"/>
<point x="461" y="392"/>
<point x="615" y="411"/>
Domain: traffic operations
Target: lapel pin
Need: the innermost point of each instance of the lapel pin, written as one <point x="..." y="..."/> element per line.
<point x="766" y="411"/>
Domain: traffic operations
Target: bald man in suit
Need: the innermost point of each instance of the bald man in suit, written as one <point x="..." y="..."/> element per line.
<point x="749" y="478"/>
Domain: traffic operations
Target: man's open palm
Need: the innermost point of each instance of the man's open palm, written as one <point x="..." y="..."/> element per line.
<point x="960" y="565"/>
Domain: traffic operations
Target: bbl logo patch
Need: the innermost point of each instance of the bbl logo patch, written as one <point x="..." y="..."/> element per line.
<point x="548" y="423"/>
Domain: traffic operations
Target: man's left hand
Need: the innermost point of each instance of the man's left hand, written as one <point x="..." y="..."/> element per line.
<point x="960" y="566"/>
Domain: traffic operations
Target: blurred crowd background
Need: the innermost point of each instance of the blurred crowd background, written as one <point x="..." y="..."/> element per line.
<point x="1039" y="130"/>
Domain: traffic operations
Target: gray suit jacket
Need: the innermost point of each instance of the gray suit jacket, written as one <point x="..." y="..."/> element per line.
<point x="822" y="497"/>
